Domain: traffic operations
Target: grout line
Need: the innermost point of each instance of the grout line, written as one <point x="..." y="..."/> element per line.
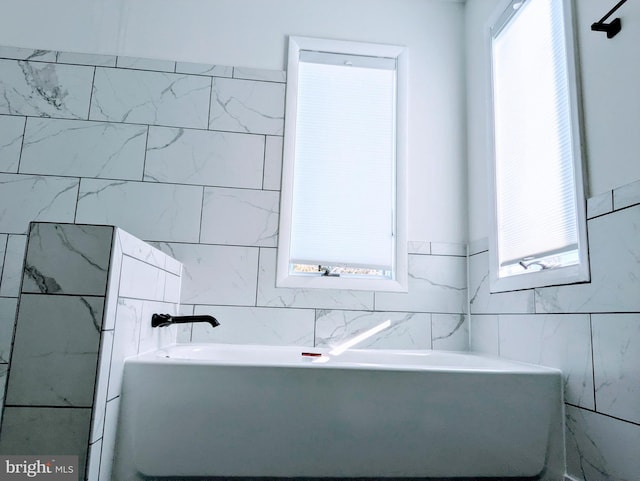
<point x="633" y="423"/>
<point x="93" y="84"/>
<point x="24" y="134"/>
<point x="593" y="364"/>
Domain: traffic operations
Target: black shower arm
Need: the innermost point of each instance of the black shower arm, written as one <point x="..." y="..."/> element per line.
<point x="613" y="27"/>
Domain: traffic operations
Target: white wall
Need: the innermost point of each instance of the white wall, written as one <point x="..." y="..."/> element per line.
<point x="610" y="75"/>
<point x="252" y="33"/>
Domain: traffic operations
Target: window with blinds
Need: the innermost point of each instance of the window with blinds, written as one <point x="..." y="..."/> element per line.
<point x="341" y="215"/>
<point x="539" y="235"/>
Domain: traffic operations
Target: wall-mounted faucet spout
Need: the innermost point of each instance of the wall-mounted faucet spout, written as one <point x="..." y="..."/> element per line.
<point x="164" y="320"/>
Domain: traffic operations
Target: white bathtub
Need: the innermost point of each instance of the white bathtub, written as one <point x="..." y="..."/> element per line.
<point x="207" y="410"/>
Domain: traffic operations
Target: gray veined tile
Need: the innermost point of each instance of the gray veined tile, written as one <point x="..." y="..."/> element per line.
<point x="140" y="280"/>
<point x="97" y="60"/>
<point x="626" y="195"/>
<point x="156" y="98"/>
<point x="260" y="74"/>
<point x="599" y="204"/>
<point x="220" y="275"/>
<point x="8" y="309"/>
<point x="272" y="163"/>
<point x="256" y="325"/>
<point x="45" y="89"/>
<point x="614" y="254"/>
<point x="41" y="198"/>
<point x="484" y="334"/>
<point x="247" y="106"/>
<point x="83" y="149"/>
<point x="18" y="53"/>
<point x="204" y="69"/>
<point x="601" y="448"/>
<point x="13" y="263"/>
<point x="559" y="341"/>
<point x="38" y="430"/>
<point x="448" y="249"/>
<point x="67" y="259"/>
<point x="436" y="284"/>
<point x="149" y="211"/>
<point x="11" y="132"/>
<point x="450" y="332"/>
<point x="186" y="156"/>
<point x="146" y="64"/>
<point x="55" y="352"/>
<point x="616" y="358"/>
<point x="407" y="331"/>
<point x="419" y="247"/>
<point x="258" y="209"/>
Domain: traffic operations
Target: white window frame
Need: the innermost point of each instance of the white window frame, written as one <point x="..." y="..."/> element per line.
<point x="398" y="281"/>
<point x="556" y="275"/>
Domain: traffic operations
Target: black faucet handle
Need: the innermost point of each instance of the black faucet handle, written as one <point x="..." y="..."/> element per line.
<point x="160" y="320"/>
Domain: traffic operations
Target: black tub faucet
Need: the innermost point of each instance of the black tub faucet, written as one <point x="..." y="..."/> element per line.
<point x="164" y="320"/>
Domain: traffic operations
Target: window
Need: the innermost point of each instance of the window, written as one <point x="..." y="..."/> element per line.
<point x="343" y="207"/>
<point x="539" y="232"/>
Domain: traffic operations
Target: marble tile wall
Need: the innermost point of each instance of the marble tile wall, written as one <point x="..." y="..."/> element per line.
<point x="188" y="157"/>
<point x="591" y="331"/>
<point x="87" y="293"/>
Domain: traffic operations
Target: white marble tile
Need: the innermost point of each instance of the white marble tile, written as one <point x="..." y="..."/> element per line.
<point x="151" y="338"/>
<point x="83" y="149"/>
<point x="184" y="330"/>
<point x="93" y="464"/>
<point x="156" y="98"/>
<point x="4" y="369"/>
<point x="419" y="247"/>
<point x="40" y="198"/>
<point x="145" y="64"/>
<point x="407" y="331"/>
<point x="436" y="284"/>
<point x="67" y="259"/>
<point x="484" y="334"/>
<point x="139" y="280"/>
<point x="616" y="359"/>
<point x="601" y="448"/>
<point x="109" y="440"/>
<point x="186" y="156"/>
<point x="258" y="211"/>
<point x="478" y="245"/>
<point x="221" y="275"/>
<point x="13" y="264"/>
<point x="11" y="133"/>
<point x="138" y="249"/>
<point x="87" y="59"/>
<point x="172" y="286"/>
<point x="614" y="251"/>
<point x="45" y="89"/>
<point x="247" y="106"/>
<point x="448" y="249"/>
<point x="204" y="69"/>
<point x="481" y="301"/>
<point x="272" y="163"/>
<point x="55" y="352"/>
<point x="626" y="195"/>
<point x="256" y="325"/>
<point x="8" y="307"/>
<point x="18" y="53"/>
<point x="102" y="385"/>
<point x="600" y="204"/>
<point x="38" y="430"/>
<point x="3" y="249"/>
<point x="149" y="211"/>
<point x="560" y="341"/>
<point x="450" y="332"/>
<point x="126" y="337"/>
<point x="260" y="74"/>
<point x="271" y="296"/>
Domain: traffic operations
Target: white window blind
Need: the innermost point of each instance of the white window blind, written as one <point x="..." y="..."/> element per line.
<point x="344" y="170"/>
<point x="534" y="152"/>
